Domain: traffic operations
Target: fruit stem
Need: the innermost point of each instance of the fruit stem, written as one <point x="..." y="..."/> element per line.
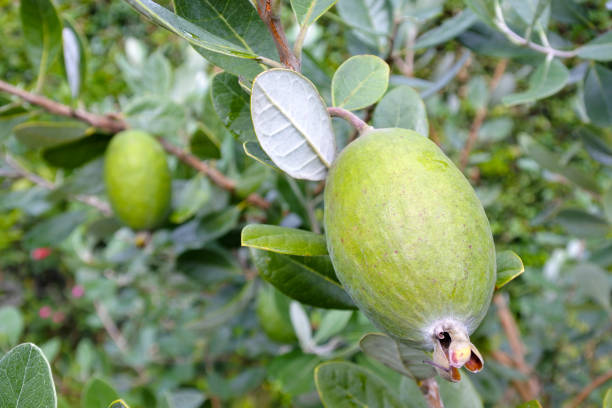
<point x="350" y="117"/>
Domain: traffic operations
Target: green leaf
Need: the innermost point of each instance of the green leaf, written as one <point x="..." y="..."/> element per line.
<point x="42" y="31"/>
<point x="11" y="116"/>
<point x="607" y="204"/>
<point x="599" y="49"/>
<point x="582" y="224"/>
<point x="547" y="79"/>
<point x="236" y="21"/>
<point x="449" y="29"/>
<point x="399" y="357"/>
<point x="530" y="404"/>
<point x="220" y="316"/>
<point x="371" y="20"/>
<point x="553" y="162"/>
<point x="98" y="394"/>
<point x="52" y="231"/>
<point x="292" y="124"/>
<point x="232" y="105"/>
<point x="309" y="11"/>
<point x="333" y="322"/>
<point x="402" y="107"/>
<point x="254" y="150"/>
<point x="342" y="384"/>
<point x="484" y="9"/>
<point x="159" y="116"/>
<point x="359" y="82"/>
<point x="289" y="241"/>
<point x="40" y="135"/>
<point x="310" y="280"/>
<point x="75" y="154"/>
<point x="292" y="372"/>
<point x="191" y="32"/>
<point x="597" y="95"/>
<point x="11" y="326"/>
<point x="196" y="233"/>
<point x="509" y="266"/>
<point x="75" y="58"/>
<point x="485" y="40"/>
<point x="118" y="404"/>
<point x="461" y="394"/>
<point x="194" y="194"/>
<point x="607" y="401"/>
<point x="596" y="145"/>
<point x="593" y="282"/>
<point x="25" y="379"/>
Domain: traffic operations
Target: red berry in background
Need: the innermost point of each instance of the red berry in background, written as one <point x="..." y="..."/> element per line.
<point x="40" y="253"/>
<point x="77" y="291"/>
<point x="45" y="312"/>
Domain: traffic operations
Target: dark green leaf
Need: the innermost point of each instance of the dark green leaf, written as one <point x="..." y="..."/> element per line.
<point x="509" y="266"/>
<point x="118" y="404"/>
<point x="547" y="79"/>
<point x="25" y="379"/>
<point x="359" y="82"/>
<point x="204" y="145"/>
<point x="209" y="266"/>
<point x="193" y="33"/>
<point x="446" y="31"/>
<point x="98" y="394"/>
<point x="596" y="145"/>
<point x="399" y="357"/>
<point x="343" y="384"/>
<point x="232" y="104"/>
<point x="196" y="233"/>
<point x="236" y="21"/>
<point x="42" y="31"/>
<point x="75" y="154"/>
<point x="599" y="49"/>
<point x="40" y="135"/>
<point x="402" y="107"/>
<point x="607" y="204"/>
<point x="483" y="9"/>
<point x="292" y="372"/>
<point x="485" y="40"/>
<point x="52" y="231"/>
<point x="597" y="95"/>
<point x="311" y="280"/>
<point x="289" y="241"/>
<point x="582" y="224"/>
<point x="220" y="316"/>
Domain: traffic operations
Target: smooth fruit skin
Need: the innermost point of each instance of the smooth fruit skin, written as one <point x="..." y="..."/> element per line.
<point x="137" y="178"/>
<point x="407" y="235"/>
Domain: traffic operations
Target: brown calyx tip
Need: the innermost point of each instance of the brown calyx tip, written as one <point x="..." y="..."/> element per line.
<point x="453" y="350"/>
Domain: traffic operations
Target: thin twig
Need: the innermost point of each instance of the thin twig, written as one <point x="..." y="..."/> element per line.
<point x="602" y="379"/>
<point x="267" y="15"/>
<point x="113" y="124"/>
<point x="21" y="171"/>
<point x="431" y="392"/>
<point x="107" y="123"/>
<point x="481" y="114"/>
<point x="350" y="117"/>
<point x="111" y="328"/>
<point x="501" y="25"/>
<point x="516" y="345"/>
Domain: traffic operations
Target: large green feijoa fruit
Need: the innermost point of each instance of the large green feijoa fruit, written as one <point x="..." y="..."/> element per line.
<point x="411" y="243"/>
<point x="137" y="178"/>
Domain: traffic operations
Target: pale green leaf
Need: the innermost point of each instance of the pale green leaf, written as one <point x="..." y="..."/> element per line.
<point x="289" y="241"/>
<point x="11" y="325"/>
<point x="446" y="31"/>
<point x="41" y="135"/>
<point x="309" y="11"/>
<point x="599" y="49"/>
<point x="98" y="394"/>
<point x="359" y="82"/>
<point x="292" y="124"/>
<point x="597" y="95"/>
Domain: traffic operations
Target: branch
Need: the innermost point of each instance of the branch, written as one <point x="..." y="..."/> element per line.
<point x="514" y="338"/>
<point x="108" y="123"/>
<point x="267" y="15"/>
<point x="350" y="117"/>
<point x="590" y="388"/>
<point x="113" y="123"/>
<point x="431" y="392"/>
<point x="501" y="25"/>
<point x="481" y="114"/>
<point x="90" y="200"/>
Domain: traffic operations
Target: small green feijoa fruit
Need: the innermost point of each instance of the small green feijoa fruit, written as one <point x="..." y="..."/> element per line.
<point x="411" y="243"/>
<point x="137" y="178"/>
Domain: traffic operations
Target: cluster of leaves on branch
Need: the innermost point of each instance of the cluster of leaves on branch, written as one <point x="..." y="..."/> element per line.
<point x="516" y="92"/>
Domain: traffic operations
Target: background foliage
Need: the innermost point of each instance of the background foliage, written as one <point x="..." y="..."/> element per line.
<point x="178" y="317"/>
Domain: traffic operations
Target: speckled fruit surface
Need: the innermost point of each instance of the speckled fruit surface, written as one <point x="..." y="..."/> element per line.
<point x="407" y="235"/>
<point x="137" y="178"/>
